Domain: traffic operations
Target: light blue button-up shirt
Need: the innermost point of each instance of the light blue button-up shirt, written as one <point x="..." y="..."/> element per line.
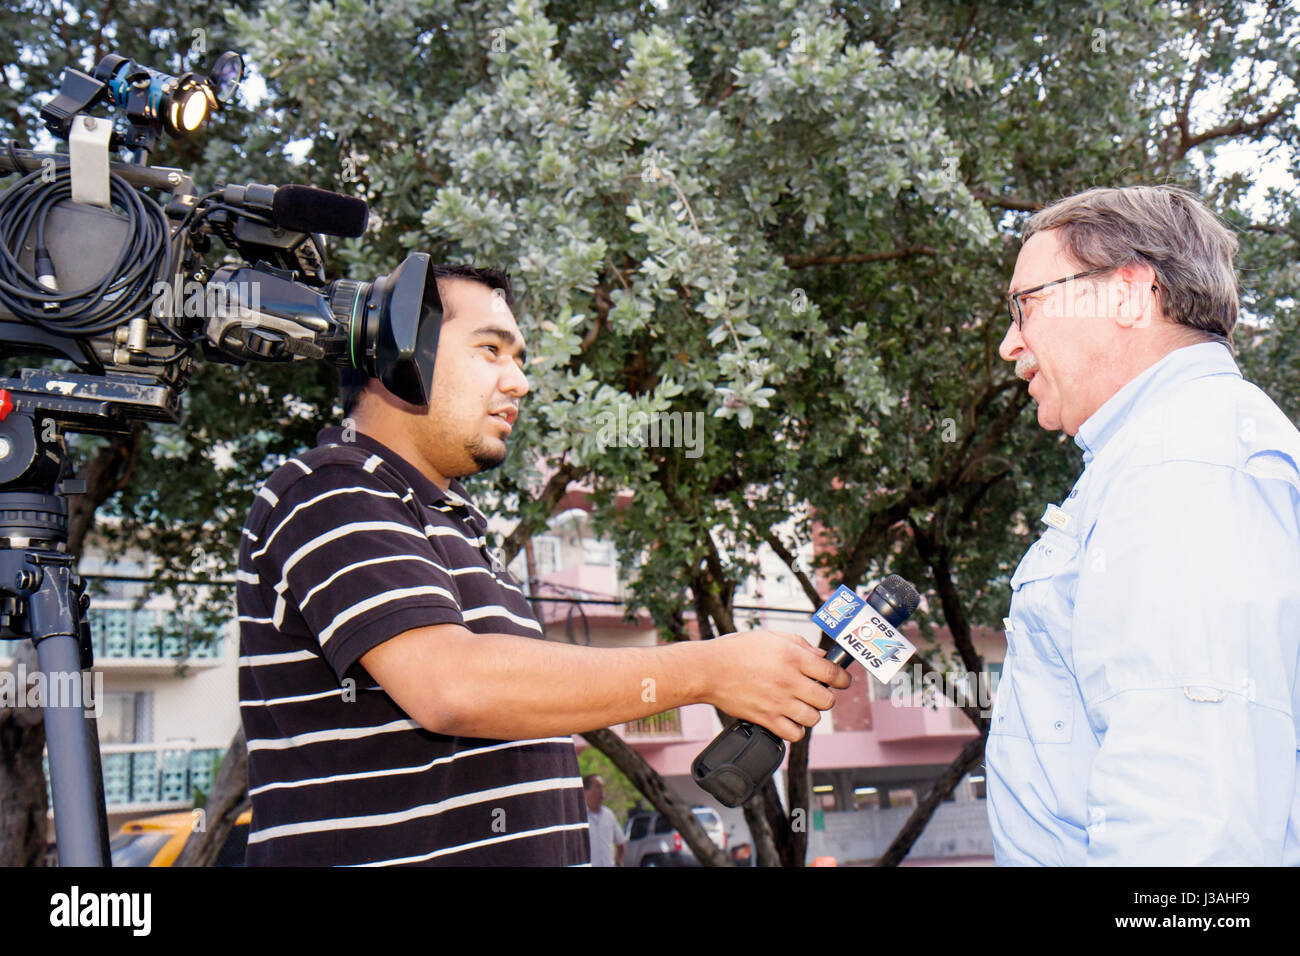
<point x="1148" y="710"/>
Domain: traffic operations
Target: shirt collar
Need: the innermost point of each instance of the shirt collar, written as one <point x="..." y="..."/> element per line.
<point x="1181" y="365"/>
<point x="425" y="489"/>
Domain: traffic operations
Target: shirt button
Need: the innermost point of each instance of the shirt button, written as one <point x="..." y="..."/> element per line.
<point x="1059" y="725"/>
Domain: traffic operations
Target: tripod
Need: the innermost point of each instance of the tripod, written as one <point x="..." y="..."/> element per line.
<point x="42" y="599"/>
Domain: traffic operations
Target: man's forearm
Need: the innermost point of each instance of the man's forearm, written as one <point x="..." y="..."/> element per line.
<point x="506" y="687"/>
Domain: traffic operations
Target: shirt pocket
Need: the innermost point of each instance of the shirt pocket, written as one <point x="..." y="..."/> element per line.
<point x="1036" y="695"/>
<point x="1048" y="557"/>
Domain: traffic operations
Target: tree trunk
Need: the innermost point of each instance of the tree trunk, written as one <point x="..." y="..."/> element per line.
<point x="967" y="760"/>
<point x="226" y="802"/>
<point x="778" y="824"/>
<point x="760" y="831"/>
<point x="22" y="779"/>
<point x="798" y="797"/>
<point x="105" y="475"/>
<point x="645" y="779"/>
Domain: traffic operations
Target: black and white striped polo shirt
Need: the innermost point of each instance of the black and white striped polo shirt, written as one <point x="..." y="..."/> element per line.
<point x="346" y="546"/>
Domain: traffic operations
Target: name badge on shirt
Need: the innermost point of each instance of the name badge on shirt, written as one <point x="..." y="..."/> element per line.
<point x="1057" y="518"/>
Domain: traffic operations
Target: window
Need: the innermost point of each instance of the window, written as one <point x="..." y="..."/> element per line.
<point x="902" y="797"/>
<point x="126" y="718"/>
<point x="995" y="675"/>
<point x="546" y="554"/>
<point x="824" y="796"/>
<point x="137" y="849"/>
<point x="866" y="798"/>
<point x="600" y="553"/>
<point x="903" y="679"/>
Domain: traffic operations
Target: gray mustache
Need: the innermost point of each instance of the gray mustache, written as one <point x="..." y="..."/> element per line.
<point x="1025" y="364"/>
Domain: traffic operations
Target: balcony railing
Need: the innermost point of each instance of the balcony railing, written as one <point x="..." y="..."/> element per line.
<point x="126" y="633"/>
<point x="155" y="774"/>
<point x="667" y="724"/>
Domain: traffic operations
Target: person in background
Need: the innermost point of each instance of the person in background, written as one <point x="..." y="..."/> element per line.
<point x="608" y="843"/>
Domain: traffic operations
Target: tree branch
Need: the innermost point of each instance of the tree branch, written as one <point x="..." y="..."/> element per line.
<point x="1007" y="202"/>
<point x="969" y="32"/>
<point x="603" y="304"/>
<point x="718" y="604"/>
<point x="778" y="823"/>
<point x="936" y="556"/>
<point x="1268" y="229"/>
<point x="791" y="562"/>
<point x="226" y="801"/>
<point x="644" y="778"/>
<point x="798" y="796"/>
<point x="555" y="488"/>
<point x="803" y="262"/>
<point x="1238" y="127"/>
<point x="969" y="758"/>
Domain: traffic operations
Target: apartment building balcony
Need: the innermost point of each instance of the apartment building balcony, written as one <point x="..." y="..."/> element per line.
<point x="915" y="718"/>
<point x="671" y="740"/>
<point x="658" y="728"/>
<point x="147" y="641"/>
<point x="143" y="778"/>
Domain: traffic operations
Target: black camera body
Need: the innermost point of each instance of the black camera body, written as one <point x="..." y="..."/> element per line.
<point x="121" y="285"/>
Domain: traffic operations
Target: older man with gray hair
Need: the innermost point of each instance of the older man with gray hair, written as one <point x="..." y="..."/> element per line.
<point x="1148" y="709"/>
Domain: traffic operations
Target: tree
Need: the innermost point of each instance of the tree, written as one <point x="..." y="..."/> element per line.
<point x="793" y="220"/>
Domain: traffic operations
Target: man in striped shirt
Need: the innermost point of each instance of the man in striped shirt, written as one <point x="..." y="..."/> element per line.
<point x="398" y="704"/>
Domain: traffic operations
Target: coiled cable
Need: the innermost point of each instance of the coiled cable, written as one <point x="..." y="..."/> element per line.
<point x="123" y="293"/>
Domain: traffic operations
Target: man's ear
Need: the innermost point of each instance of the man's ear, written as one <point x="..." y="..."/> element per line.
<point x="1136" y="306"/>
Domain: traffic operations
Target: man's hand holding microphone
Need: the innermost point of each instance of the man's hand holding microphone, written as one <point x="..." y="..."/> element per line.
<point x="773" y="678"/>
<point x="744" y="755"/>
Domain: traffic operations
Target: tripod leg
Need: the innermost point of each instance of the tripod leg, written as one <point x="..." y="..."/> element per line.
<point x="76" y="777"/>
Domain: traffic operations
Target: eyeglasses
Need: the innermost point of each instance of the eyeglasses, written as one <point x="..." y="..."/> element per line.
<point x="1013" y="300"/>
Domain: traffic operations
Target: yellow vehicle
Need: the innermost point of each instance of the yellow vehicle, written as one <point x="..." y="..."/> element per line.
<point x="158" y="840"/>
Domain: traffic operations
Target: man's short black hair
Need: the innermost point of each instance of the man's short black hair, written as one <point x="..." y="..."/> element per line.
<point x="353" y="381"/>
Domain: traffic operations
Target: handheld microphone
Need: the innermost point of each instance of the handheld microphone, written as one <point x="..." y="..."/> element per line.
<point x="740" y="758"/>
<point x="303" y="208"/>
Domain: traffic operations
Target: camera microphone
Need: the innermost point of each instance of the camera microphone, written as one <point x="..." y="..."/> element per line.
<point x="740" y="758"/>
<point x="303" y="208"/>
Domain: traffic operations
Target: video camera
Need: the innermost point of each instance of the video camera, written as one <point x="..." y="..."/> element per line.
<point x="94" y="270"/>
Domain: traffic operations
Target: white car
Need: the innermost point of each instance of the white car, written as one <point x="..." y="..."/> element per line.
<point x="652" y="840"/>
